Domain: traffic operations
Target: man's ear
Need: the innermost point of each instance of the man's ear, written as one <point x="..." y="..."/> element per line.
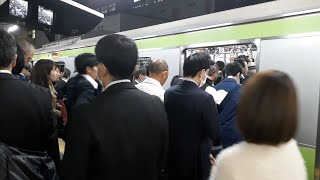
<point x="14" y="62"/>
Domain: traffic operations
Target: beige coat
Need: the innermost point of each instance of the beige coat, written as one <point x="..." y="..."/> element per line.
<point x="55" y="105"/>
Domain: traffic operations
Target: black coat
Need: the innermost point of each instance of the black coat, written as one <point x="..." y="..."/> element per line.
<point x="26" y="121"/>
<point x="193" y="124"/>
<point x="79" y="91"/>
<point x="61" y="88"/>
<point x="121" y="135"/>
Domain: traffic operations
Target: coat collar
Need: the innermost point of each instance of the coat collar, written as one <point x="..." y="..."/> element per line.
<point x="118" y="87"/>
<point x="7" y="76"/>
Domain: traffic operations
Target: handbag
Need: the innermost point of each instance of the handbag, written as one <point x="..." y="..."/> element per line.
<point x="21" y="164"/>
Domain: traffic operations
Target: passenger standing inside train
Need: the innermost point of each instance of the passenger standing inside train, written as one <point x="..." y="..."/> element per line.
<point x="268" y="120"/>
<point x="243" y="61"/>
<point x="251" y="69"/>
<point x="83" y="88"/>
<point x="26" y="121"/>
<point x="123" y="133"/>
<point x="45" y="73"/>
<point x="220" y="65"/>
<point x="212" y="76"/>
<point x="139" y="75"/>
<point x="158" y="75"/>
<point x="193" y="122"/>
<point x="227" y="98"/>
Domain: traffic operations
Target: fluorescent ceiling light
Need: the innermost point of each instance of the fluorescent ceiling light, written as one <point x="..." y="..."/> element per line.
<point x="13" y="28"/>
<point x="82" y="7"/>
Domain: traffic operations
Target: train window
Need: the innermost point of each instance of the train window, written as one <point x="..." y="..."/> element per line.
<point x="227" y="53"/>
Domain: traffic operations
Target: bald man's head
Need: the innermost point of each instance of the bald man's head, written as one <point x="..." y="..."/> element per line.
<point x="158" y="70"/>
<point x="27" y="48"/>
<point x="158" y="66"/>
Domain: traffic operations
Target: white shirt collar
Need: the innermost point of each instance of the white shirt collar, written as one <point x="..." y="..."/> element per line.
<point x="5" y="71"/>
<point x="22" y="74"/>
<point x="191" y="80"/>
<point x="152" y="81"/>
<point x="116" y="82"/>
<point x="91" y="80"/>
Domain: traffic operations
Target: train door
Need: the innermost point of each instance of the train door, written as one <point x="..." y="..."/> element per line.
<point x="299" y="57"/>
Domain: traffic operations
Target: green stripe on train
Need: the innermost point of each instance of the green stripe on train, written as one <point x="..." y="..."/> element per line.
<point x="309" y="156"/>
<point x="279" y="27"/>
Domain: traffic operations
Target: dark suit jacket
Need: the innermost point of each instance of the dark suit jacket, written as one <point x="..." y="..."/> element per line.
<point x="121" y="135"/>
<point x="228" y="111"/>
<point x="193" y="124"/>
<point x="61" y="88"/>
<point x="26" y="120"/>
<point x="79" y="91"/>
<point x="208" y="83"/>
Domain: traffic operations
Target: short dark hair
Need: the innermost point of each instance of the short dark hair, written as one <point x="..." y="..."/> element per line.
<point x="212" y="70"/>
<point x="241" y="62"/>
<point x="19" y="62"/>
<point x="242" y="58"/>
<point x="61" y="65"/>
<point x="119" y="54"/>
<point x="85" y="60"/>
<point x="232" y="69"/>
<point x="8" y="49"/>
<point x="175" y="80"/>
<point x="220" y="65"/>
<point x="158" y="66"/>
<point x="67" y="73"/>
<point x="268" y="109"/>
<point x="195" y="63"/>
<point x="41" y="71"/>
<point x="140" y="70"/>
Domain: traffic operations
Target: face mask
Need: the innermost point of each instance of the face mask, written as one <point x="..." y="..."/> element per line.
<point x="203" y="81"/>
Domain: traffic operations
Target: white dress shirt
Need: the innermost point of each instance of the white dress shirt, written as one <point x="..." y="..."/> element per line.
<point x="152" y="87"/>
<point x="91" y="80"/>
<point x="5" y="71"/>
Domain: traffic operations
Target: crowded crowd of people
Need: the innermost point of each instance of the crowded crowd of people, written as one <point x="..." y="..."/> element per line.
<point x="218" y="121"/>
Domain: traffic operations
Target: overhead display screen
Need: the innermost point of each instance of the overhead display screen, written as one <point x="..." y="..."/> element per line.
<point x="45" y="16"/>
<point x="18" y="8"/>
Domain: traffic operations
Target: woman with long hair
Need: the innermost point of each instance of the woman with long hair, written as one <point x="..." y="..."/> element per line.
<point x="45" y="73"/>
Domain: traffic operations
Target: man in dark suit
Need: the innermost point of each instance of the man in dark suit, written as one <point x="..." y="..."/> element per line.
<point x="83" y="88"/>
<point x="26" y="121"/>
<point x="193" y="122"/>
<point x="123" y="133"/>
<point x="228" y="98"/>
<point x="25" y="73"/>
<point x="212" y="76"/>
<point x="243" y="61"/>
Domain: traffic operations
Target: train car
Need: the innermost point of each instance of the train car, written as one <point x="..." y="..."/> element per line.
<point x="282" y="35"/>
